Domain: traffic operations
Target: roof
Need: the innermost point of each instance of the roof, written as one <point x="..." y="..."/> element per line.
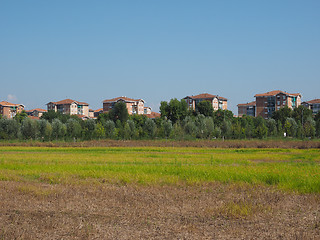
<point x="125" y="99"/>
<point x="313" y="101"/>
<point x="276" y="92"/>
<point x="99" y="110"/>
<point x="247" y="104"/>
<point x="37" y="109"/>
<point x="153" y="115"/>
<point x="8" y="104"/>
<point x="206" y="96"/>
<point x="68" y="101"/>
<point x="33" y="117"/>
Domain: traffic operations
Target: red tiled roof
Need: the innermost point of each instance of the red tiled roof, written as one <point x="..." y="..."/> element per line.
<point x="313" y="101"/>
<point x="247" y="104"/>
<point x="69" y="101"/>
<point x="33" y="117"/>
<point x="99" y="110"/>
<point x="153" y="115"/>
<point x="5" y="103"/>
<point x="206" y="96"/>
<point x="91" y="110"/>
<point x="36" y="109"/>
<point x="276" y="92"/>
<point x="125" y="99"/>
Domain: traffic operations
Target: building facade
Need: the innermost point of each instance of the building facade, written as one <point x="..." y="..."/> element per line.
<point x="314" y="105"/>
<point x="216" y="101"/>
<point x="134" y="106"/>
<point x="70" y="107"/>
<point x="37" y="112"/>
<point x="267" y="103"/>
<point x="248" y="109"/>
<point x="9" y="110"/>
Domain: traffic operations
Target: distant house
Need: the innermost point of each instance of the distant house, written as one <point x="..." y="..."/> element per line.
<point x="9" y="110"/>
<point x="314" y="105"/>
<point x="147" y="110"/>
<point x="134" y="106"/>
<point x="248" y="109"/>
<point x="267" y="103"/>
<point x="153" y="115"/>
<point x="70" y="107"/>
<point x="216" y="101"/>
<point x="91" y="113"/>
<point x="98" y="112"/>
<point x="37" y="112"/>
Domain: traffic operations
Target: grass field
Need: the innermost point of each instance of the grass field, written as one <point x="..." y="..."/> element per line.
<point x="289" y="169"/>
<point x="159" y="193"/>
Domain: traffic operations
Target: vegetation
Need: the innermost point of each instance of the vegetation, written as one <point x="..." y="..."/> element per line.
<point x="176" y="122"/>
<point x="290" y="169"/>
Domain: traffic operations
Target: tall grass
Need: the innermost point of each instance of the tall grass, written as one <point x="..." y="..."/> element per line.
<point x="288" y="169"/>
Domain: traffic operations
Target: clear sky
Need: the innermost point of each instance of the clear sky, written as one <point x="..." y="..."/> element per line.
<point x="157" y="49"/>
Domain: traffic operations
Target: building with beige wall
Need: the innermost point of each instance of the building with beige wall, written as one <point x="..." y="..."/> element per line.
<point x="70" y="107"/>
<point x="216" y="101"/>
<point x="267" y="103"/>
<point x="9" y="110"/>
<point x="134" y="106"/>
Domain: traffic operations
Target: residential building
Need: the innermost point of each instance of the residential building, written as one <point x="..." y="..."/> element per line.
<point x="216" y="101"/>
<point x="37" y="112"/>
<point x="91" y="113"/>
<point x="70" y="107"/>
<point x="153" y="115"/>
<point x="147" y="110"/>
<point x="248" y="109"/>
<point x="9" y="110"/>
<point x="134" y="106"/>
<point x="98" y="112"/>
<point x="314" y="105"/>
<point x="267" y="103"/>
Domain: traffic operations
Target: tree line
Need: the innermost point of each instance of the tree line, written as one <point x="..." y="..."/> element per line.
<point x="176" y="122"/>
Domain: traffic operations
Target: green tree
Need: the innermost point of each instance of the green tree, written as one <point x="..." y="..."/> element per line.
<point x="99" y="131"/>
<point x="272" y="127"/>
<point x="150" y="128"/>
<point x="119" y="112"/>
<point x="20" y="116"/>
<point x="58" y="129"/>
<point x="167" y="128"/>
<point x="74" y="128"/>
<point x="282" y="114"/>
<point x="109" y="128"/>
<point x="89" y="129"/>
<point x="301" y="114"/>
<point x="205" y="108"/>
<point x="175" y="110"/>
<point x="291" y="127"/>
<point x="29" y="128"/>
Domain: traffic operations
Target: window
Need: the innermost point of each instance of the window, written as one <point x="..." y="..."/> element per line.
<point x="284" y="97"/>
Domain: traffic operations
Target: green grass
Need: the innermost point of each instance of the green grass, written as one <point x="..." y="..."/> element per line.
<point x="288" y="169"/>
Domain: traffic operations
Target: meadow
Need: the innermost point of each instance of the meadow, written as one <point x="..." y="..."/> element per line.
<point x="159" y="192"/>
<point x="286" y="169"/>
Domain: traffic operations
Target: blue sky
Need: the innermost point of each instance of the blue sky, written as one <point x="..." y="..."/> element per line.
<point x="157" y="50"/>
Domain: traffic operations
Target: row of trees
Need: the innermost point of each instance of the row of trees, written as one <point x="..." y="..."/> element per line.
<point x="176" y="122"/>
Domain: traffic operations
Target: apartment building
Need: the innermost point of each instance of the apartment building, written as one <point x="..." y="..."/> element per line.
<point x="216" y="101"/>
<point x="314" y="105"/>
<point x="37" y="112"/>
<point x="134" y="106"/>
<point x="9" y="110"/>
<point x="70" y="107"/>
<point x="267" y="103"/>
<point x="248" y="109"/>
